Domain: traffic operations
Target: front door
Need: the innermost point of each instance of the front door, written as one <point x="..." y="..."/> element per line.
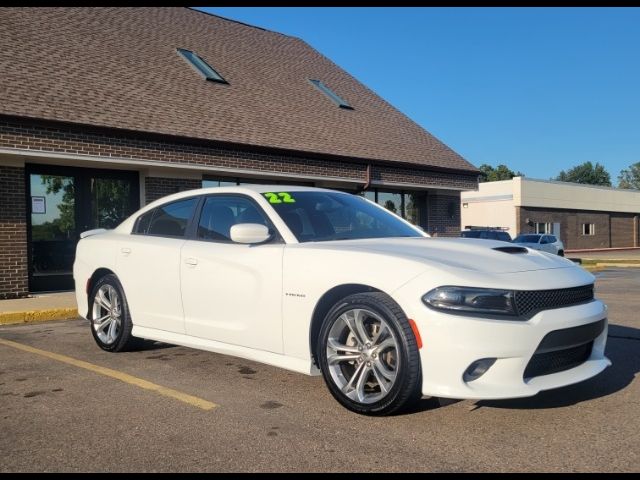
<point x="64" y="202"/>
<point x="231" y="292"/>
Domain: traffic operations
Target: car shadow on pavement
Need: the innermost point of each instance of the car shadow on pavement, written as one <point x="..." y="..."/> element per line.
<point x="148" y="345"/>
<point x="623" y="349"/>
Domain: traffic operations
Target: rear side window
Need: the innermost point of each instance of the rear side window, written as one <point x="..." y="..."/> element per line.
<point x="168" y="220"/>
<point x="503" y="236"/>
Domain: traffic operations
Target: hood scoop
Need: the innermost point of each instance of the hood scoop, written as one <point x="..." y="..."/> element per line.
<point x="511" y="249"/>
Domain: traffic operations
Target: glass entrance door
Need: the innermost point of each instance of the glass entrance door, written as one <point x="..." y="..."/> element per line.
<point x="53" y="230"/>
<point x="65" y="202"/>
<point x="110" y="202"/>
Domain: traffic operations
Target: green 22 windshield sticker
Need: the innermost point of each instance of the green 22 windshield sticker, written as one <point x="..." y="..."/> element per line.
<point x="281" y="197"/>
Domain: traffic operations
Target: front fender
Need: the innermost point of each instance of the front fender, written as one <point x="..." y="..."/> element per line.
<point x="309" y="274"/>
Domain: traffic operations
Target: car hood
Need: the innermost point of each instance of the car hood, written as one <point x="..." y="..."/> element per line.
<point x="461" y="253"/>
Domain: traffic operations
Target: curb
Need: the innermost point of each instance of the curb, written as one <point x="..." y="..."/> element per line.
<point x="614" y="264"/>
<point x="612" y="249"/>
<point x="32" y="316"/>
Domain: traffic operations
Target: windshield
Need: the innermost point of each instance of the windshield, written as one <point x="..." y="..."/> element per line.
<point x="527" y="239"/>
<point x="322" y="216"/>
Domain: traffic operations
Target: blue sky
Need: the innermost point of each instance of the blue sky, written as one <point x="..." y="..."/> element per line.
<point x="538" y="89"/>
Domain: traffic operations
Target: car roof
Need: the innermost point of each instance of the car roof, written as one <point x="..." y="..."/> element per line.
<point x="258" y="188"/>
<point x="245" y="189"/>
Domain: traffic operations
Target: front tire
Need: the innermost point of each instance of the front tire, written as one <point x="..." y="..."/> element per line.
<point x="368" y="355"/>
<point x="561" y="253"/>
<point x="110" y="319"/>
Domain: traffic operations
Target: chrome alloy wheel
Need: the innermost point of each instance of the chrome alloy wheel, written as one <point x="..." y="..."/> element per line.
<point x="106" y="314"/>
<point x="362" y="355"/>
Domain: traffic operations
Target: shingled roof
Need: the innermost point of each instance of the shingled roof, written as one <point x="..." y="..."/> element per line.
<point x="118" y="67"/>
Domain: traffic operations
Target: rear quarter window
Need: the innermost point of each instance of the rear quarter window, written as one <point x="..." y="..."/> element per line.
<point x="143" y="222"/>
<point x="169" y="220"/>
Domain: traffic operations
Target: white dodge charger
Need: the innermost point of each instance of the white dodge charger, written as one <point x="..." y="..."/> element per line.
<point x="324" y="282"/>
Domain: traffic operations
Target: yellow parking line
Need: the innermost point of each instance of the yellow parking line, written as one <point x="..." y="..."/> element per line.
<point x="123" y="377"/>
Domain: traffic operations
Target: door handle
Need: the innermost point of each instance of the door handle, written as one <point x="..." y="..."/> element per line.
<point x="125" y="250"/>
<point x="191" y="261"/>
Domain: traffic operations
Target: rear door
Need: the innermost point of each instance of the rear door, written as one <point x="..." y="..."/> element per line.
<point x="149" y="265"/>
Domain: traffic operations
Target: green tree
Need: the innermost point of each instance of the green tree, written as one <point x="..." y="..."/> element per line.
<point x="586" y="173"/>
<point x="65" y="223"/>
<point x="501" y="172"/>
<point x="109" y="201"/>
<point x="389" y="205"/>
<point x="630" y="177"/>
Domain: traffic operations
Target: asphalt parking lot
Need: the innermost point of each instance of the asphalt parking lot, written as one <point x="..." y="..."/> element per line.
<point x="171" y="408"/>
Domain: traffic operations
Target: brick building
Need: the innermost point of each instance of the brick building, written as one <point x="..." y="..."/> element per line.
<point x="105" y="109"/>
<point x="582" y="216"/>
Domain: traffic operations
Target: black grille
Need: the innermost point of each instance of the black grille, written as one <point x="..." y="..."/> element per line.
<point x="564" y="349"/>
<point x="557" y="361"/>
<point x="531" y="301"/>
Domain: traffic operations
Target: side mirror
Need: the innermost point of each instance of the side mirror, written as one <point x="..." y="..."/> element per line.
<point x="249" y="233"/>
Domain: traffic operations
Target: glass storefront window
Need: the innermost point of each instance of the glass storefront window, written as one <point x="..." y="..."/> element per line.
<point x="411" y="209"/>
<point x="218" y="183"/>
<point x="232" y="182"/>
<point x="407" y="205"/>
<point x="391" y="201"/>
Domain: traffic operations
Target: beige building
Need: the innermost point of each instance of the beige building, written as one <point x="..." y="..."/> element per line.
<point x="583" y="216"/>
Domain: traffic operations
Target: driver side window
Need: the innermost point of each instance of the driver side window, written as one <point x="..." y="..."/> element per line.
<point x="221" y="212"/>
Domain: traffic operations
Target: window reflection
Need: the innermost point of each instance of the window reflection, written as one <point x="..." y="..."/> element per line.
<point x="411" y="211"/>
<point x="218" y="183"/>
<point x="391" y="201"/>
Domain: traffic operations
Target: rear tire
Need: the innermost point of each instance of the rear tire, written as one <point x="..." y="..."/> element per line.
<point x="109" y="316"/>
<point x="368" y="355"/>
<point x="561" y="253"/>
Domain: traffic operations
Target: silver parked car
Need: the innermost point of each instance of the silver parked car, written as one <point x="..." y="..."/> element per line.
<point x="539" y="241"/>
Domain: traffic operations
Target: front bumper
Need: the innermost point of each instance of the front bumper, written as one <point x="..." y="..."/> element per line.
<point x="451" y="343"/>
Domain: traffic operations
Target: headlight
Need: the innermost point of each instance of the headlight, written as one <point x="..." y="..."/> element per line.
<point x="467" y="299"/>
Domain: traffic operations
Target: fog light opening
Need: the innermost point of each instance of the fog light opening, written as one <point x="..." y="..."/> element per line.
<point x="477" y="369"/>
